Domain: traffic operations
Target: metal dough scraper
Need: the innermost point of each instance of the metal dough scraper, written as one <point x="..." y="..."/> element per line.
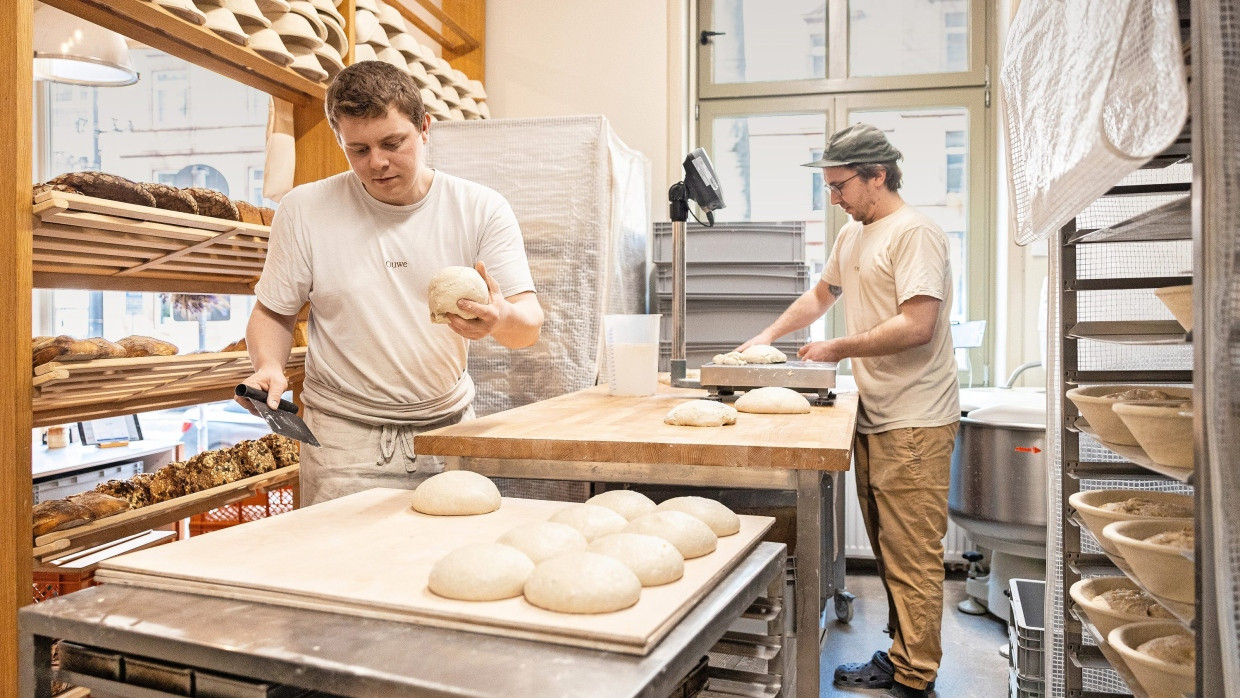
<point x="283" y="421"/>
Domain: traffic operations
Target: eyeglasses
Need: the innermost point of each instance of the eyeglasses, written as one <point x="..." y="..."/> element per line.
<point x="835" y="188"/>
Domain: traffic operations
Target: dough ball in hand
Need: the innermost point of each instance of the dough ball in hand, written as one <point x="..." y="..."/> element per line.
<point x="772" y="400"/>
<point x="543" y="539"/>
<point x="654" y="560"/>
<point x="690" y="536"/>
<point x="456" y="493"/>
<point x="591" y="520"/>
<point x="582" y="583"/>
<point x="452" y="284"/>
<point x="481" y="572"/>
<point x="626" y="503"/>
<point x="763" y="354"/>
<point x="722" y="520"/>
<point x="701" y="413"/>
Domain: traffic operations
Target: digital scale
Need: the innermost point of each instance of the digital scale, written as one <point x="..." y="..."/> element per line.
<point x="814" y="377"/>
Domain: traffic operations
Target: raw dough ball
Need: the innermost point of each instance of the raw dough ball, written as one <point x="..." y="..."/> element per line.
<point x="543" y="539"/>
<point x="701" y="413"/>
<point x="732" y="358"/>
<point x="1174" y="649"/>
<point x="1140" y="506"/>
<point x="1132" y="602"/>
<point x="626" y="503"/>
<point x="452" y="284"/>
<point x="1181" y="539"/>
<point x="764" y="354"/>
<point x="722" y="520"/>
<point x="772" y="400"/>
<point x="690" y="536"/>
<point x="481" y="572"/>
<point x="591" y="520"/>
<point x="654" y="560"/>
<point x="456" y="493"/>
<point x="582" y="583"/>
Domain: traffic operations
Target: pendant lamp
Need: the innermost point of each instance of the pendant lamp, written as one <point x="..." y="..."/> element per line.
<point x="70" y="49"/>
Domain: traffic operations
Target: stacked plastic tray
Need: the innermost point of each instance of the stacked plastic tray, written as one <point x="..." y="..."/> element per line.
<point x="739" y="278"/>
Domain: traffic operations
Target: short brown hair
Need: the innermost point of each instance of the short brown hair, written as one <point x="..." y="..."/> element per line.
<point x="365" y="90"/>
<point x="870" y="170"/>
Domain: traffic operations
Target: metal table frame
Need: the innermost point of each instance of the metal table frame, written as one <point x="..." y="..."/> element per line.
<point x="356" y="656"/>
<point x="819" y="519"/>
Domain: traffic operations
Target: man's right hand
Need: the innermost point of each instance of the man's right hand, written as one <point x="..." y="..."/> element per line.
<point x="271" y="382"/>
<point x="759" y="338"/>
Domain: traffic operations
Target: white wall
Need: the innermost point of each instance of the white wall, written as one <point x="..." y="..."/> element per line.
<point x="557" y="58"/>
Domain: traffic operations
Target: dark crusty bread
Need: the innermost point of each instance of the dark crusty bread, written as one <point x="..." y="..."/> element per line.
<point x="98" y="504"/>
<point x="268" y="214"/>
<point x="45" y="187"/>
<point x="137" y="345"/>
<point x="214" y="204"/>
<point x="167" y="483"/>
<point x="286" y="451"/>
<point x="106" y="186"/>
<point x="170" y="198"/>
<point x="56" y="514"/>
<point x="137" y="489"/>
<point x="228" y="467"/>
<point x="248" y="212"/>
<point x="255" y="458"/>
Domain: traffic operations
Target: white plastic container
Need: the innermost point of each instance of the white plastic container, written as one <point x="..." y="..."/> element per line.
<point x="632" y="343"/>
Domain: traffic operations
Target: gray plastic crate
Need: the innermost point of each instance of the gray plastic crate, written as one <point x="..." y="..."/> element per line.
<point x="1025" y="628"/>
<point x="61" y="486"/>
<point x="725" y="279"/>
<point x="723" y="319"/>
<point x="746" y="243"/>
<point x="698" y="354"/>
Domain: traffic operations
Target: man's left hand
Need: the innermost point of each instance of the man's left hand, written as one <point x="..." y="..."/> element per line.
<point x="489" y="315"/>
<point x="828" y="351"/>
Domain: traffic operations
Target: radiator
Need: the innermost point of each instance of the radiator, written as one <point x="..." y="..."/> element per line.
<point x="857" y="545"/>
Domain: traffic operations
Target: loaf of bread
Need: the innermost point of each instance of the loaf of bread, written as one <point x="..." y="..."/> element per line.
<point x="137" y="345"/>
<point x="268" y="214"/>
<point x="301" y="334"/>
<point x="285" y="450"/>
<point x="45" y="187"/>
<point x="136" y="490"/>
<point x="106" y="186"/>
<point x="199" y="471"/>
<point x="66" y="348"/>
<point x="254" y="457"/>
<point x="214" y="204"/>
<point x="248" y="212"/>
<point x="107" y="350"/>
<point x="98" y="504"/>
<point x="238" y="345"/>
<point x="170" y="198"/>
<point x="56" y="514"/>
<point x="168" y="483"/>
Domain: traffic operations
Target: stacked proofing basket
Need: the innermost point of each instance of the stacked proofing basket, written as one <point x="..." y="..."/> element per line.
<point x="582" y="199"/>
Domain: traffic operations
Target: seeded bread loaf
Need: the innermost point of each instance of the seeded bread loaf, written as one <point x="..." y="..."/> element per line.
<point x="106" y="186"/>
<point x="136" y="345"/>
<point x="170" y="198"/>
<point x="214" y="204"/>
<point x="285" y="450"/>
<point x="45" y="187"/>
<point x="255" y="458"/>
<point x="168" y="483"/>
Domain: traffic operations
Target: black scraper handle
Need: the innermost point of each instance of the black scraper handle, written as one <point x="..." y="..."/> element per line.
<point x="244" y="390"/>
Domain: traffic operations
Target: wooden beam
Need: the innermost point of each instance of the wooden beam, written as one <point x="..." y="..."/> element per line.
<point x="467" y="39"/>
<point x="318" y="154"/>
<point x="471" y="17"/>
<point x="16" y="223"/>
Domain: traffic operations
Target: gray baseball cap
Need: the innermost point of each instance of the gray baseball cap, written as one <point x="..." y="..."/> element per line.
<point x="858" y="144"/>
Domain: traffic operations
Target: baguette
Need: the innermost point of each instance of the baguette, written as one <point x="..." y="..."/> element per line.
<point x="56" y="514"/>
<point x="107" y="350"/>
<point x="137" y="345"/>
<point x="214" y="204"/>
<point x="106" y="186"/>
<point x="98" y="504"/>
<point x="66" y="348"/>
<point x="170" y="198"/>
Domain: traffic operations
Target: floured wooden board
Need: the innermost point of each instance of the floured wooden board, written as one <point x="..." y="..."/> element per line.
<point x="369" y="554"/>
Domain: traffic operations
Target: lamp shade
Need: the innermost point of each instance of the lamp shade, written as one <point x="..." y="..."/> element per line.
<point x="69" y="49"/>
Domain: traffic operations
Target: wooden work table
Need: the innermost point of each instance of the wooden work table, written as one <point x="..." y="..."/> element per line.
<point x="595" y="437"/>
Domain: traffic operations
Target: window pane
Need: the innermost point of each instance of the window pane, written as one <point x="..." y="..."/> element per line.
<point x="907" y="37"/>
<point x="769" y="40"/>
<point x="934" y="142"/>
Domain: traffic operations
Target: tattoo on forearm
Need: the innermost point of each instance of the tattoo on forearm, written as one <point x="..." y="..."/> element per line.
<point x="835" y="290"/>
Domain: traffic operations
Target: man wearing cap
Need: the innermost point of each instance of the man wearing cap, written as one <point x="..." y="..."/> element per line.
<point x="361" y="248"/>
<point x="890" y="265"/>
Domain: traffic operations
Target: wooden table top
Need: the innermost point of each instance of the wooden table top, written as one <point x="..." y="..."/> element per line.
<point x="592" y="426"/>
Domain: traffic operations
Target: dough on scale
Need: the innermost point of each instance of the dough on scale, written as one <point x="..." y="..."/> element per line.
<point x="701" y="413"/>
<point x="540" y="540"/>
<point x="732" y="358"/>
<point x="772" y="400"/>
<point x="451" y="284"/>
<point x="626" y="503"/>
<point x="690" y="535"/>
<point x="481" y="572"/>
<point x="456" y="493"/>
<point x="582" y="583"/>
<point x="654" y="560"/>
<point x="722" y="520"/>
<point x="591" y="520"/>
<point x="763" y="354"/>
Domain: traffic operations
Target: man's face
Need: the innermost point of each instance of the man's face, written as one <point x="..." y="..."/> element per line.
<point x="386" y="153"/>
<point x="856" y="195"/>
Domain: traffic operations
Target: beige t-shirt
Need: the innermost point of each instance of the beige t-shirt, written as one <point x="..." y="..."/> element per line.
<point x="365" y="267"/>
<point x="880" y="266"/>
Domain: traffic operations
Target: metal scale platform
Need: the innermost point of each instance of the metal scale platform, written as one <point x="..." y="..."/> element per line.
<point x="813" y="377"/>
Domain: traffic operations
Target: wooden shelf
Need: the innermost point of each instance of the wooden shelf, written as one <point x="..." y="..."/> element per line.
<point x="97" y="244"/>
<point x="59" y="543"/>
<point x="75" y="391"/>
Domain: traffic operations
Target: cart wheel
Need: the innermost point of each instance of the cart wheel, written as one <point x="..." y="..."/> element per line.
<point x="844" y="606"/>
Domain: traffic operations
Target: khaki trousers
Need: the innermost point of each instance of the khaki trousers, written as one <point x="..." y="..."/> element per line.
<point x="902" y="481"/>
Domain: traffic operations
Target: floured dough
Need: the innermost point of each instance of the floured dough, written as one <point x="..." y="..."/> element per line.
<point x="764" y="354"/>
<point x="690" y="536"/>
<point x="451" y="284"/>
<point x="732" y="358"/>
<point x="654" y="560"/>
<point x="1141" y="506"/>
<point x="1181" y="539"/>
<point x="722" y="520"/>
<point x="701" y="413"/>
<point x="540" y="540"/>
<point x="1131" y="602"/>
<point x="591" y="520"/>
<point x="582" y="583"/>
<point x="1174" y="649"/>
<point x="772" y="400"/>
<point x="456" y="493"/>
<point x="481" y="572"/>
<point x="626" y="503"/>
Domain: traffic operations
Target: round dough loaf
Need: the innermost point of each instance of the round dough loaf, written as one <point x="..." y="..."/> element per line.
<point x="456" y="493"/>
<point x="626" y="503"/>
<point x="654" y="560"/>
<point x="764" y="354"/>
<point x="540" y="540"/>
<point x="591" y="520"/>
<point x="732" y="358"/>
<point x="690" y="535"/>
<point x="582" y="583"/>
<point x="701" y="413"/>
<point x="452" y="284"/>
<point x="722" y="520"/>
<point x="481" y="572"/>
<point x="772" y="400"/>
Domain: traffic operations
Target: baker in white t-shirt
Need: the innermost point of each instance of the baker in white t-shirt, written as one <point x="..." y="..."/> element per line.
<point x="361" y="247"/>
<point x="890" y="265"/>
